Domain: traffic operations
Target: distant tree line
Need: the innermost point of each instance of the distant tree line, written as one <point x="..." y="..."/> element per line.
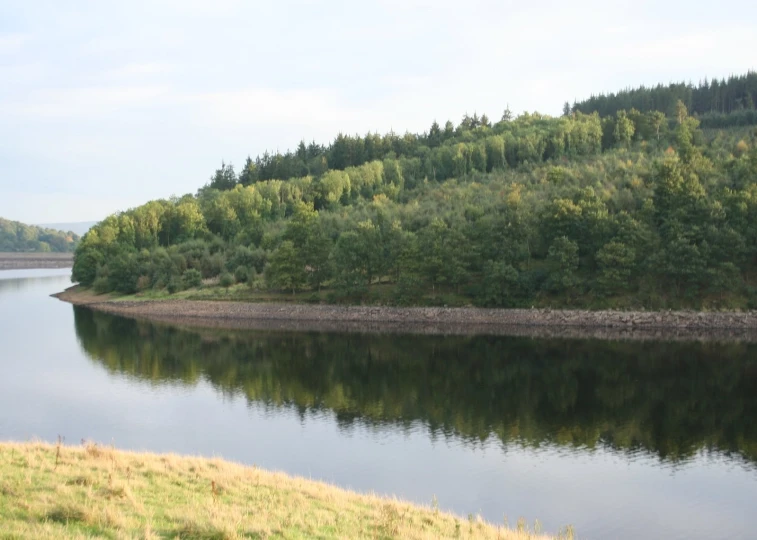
<point x="634" y="209"/>
<point x="719" y="102"/>
<point x="18" y="237"/>
<point x="475" y="145"/>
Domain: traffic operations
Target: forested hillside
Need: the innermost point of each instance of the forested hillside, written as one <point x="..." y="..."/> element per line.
<point x="632" y="209"/>
<point x="18" y="237"/>
<point x="718" y="103"/>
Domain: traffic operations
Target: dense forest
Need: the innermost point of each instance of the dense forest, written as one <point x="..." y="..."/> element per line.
<point x="718" y="103"/>
<point x="18" y="237"/>
<point x="670" y="399"/>
<point x="630" y="209"/>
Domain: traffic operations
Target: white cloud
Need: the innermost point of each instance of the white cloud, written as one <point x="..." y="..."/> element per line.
<point x="143" y="99"/>
<point x="83" y="102"/>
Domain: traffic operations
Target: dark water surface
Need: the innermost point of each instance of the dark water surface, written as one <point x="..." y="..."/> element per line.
<point x="620" y="439"/>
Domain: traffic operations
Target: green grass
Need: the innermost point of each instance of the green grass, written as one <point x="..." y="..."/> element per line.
<point x="91" y="491"/>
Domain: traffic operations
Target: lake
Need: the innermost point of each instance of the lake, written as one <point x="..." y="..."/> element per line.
<point x="620" y="439"/>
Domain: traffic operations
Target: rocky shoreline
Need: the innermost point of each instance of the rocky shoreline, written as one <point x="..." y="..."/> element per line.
<point x="29" y="261"/>
<point x="673" y="325"/>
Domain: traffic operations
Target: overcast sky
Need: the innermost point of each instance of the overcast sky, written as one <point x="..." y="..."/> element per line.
<point x="105" y="105"/>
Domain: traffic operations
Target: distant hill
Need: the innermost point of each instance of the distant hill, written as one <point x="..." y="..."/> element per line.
<point x="77" y="227"/>
<point x="21" y="238"/>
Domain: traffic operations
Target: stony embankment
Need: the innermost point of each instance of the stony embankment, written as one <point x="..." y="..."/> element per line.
<point x="26" y="261"/>
<point x="436" y="320"/>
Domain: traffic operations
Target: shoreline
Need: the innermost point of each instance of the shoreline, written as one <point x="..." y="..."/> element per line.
<point x="59" y="491"/>
<point x="32" y="261"/>
<point x="673" y="325"/>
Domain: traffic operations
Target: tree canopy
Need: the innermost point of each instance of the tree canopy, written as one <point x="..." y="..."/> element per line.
<point x="628" y="209"/>
<point x="19" y="237"/>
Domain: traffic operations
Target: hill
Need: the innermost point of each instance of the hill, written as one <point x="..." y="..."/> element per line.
<point x="77" y="227"/>
<point x="19" y="237"/>
<point x="630" y="209"/>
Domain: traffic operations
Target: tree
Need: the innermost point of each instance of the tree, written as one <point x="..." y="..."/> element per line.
<point x="249" y="174"/>
<point x="286" y="270"/>
<point x="616" y="263"/>
<point x="352" y="264"/>
<point x="563" y="261"/>
<point x="684" y="266"/>
<point x="226" y="280"/>
<point x="224" y="178"/>
<point x="624" y="129"/>
<point x="657" y="120"/>
<point x="499" y="286"/>
<point x="192" y="278"/>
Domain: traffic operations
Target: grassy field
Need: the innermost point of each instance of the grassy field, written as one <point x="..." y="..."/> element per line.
<point x="90" y="491"/>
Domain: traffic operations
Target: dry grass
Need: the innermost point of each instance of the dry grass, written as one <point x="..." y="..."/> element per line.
<point x="53" y="491"/>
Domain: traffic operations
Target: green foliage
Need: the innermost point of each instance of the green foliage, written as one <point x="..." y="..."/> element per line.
<point x="18" y="237"/>
<point x="226" y="280"/>
<point x="241" y="274"/>
<point x="737" y="94"/>
<point x="562" y="258"/>
<point x="174" y="285"/>
<point x="616" y="263"/>
<point x="286" y="271"/>
<point x="500" y="285"/>
<point x="192" y="278"/>
<point x="635" y="206"/>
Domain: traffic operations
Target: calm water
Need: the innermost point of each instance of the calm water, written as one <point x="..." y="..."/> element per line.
<point x="622" y="440"/>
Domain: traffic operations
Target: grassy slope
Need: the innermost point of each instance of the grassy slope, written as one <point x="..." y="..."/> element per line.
<point x="90" y="491"/>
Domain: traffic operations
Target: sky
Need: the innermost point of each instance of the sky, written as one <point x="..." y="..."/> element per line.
<point x="105" y="105"/>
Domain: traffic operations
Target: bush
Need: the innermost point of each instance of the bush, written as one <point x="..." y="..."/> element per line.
<point x="143" y="283"/>
<point x="241" y="274"/>
<point x="227" y="280"/>
<point x="100" y="285"/>
<point x="192" y="278"/>
<point x="212" y="265"/>
<point x="174" y="285"/>
<point x="409" y="290"/>
<point x="752" y="298"/>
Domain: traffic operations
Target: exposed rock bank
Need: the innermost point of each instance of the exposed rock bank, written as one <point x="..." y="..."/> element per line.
<point x="526" y="322"/>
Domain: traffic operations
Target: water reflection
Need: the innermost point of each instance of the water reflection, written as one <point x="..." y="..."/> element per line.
<point x="19" y="280"/>
<point x="670" y="400"/>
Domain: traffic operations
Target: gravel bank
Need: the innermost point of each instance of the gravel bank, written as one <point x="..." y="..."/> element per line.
<point x="523" y="322"/>
<point x="26" y="261"/>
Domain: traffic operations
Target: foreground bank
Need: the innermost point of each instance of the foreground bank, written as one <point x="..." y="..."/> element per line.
<point x="51" y="491"/>
<point x="27" y="261"/>
<point x="544" y="323"/>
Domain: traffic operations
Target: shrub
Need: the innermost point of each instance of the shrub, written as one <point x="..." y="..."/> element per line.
<point x="175" y="285"/>
<point x="227" y="280"/>
<point x="241" y="274"/>
<point x="143" y="283"/>
<point x="192" y="278"/>
<point x="212" y="265"/>
<point x="409" y="290"/>
<point x="100" y="285"/>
